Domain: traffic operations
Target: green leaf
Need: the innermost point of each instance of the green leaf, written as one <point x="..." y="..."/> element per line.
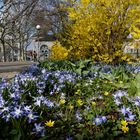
<point x="116" y="133"/>
<point x="85" y="72"/>
<point x="79" y="71"/>
<point x="14" y="132"/>
<point x="79" y="137"/>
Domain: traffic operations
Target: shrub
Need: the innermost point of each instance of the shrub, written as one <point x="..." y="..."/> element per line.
<point x="58" y="52"/>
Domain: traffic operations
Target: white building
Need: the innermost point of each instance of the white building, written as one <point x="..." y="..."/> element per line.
<point x="42" y="46"/>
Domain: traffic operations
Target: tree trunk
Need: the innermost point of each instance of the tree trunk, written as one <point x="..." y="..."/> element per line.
<point x="20" y="52"/>
<point x="4" y="50"/>
<point x="23" y="54"/>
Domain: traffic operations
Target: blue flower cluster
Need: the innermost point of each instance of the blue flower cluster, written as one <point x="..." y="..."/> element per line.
<point x="25" y="95"/>
<point x="32" y="96"/>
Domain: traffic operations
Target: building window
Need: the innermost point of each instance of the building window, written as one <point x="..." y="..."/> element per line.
<point x="44" y="51"/>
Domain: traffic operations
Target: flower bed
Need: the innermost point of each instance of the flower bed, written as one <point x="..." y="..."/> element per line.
<point x="84" y="102"/>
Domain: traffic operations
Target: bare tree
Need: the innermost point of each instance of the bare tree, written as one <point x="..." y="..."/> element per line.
<point x="14" y="24"/>
<point x="20" y="17"/>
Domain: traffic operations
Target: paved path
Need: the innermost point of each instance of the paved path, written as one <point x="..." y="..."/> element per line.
<point x="14" y="66"/>
<point x="8" y="75"/>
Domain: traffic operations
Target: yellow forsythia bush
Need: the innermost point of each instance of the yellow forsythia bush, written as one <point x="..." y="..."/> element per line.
<point x="58" y="52"/>
<point x="100" y="28"/>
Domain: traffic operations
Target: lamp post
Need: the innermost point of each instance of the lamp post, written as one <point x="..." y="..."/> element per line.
<point x="38" y="28"/>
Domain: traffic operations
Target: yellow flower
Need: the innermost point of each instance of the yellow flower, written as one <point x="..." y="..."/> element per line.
<point x="106" y="93"/>
<point x="125" y="129"/>
<point x="62" y="101"/>
<point x="85" y="2"/>
<point x="124" y="57"/>
<point x="78" y="91"/>
<point x="79" y="102"/>
<point x="132" y="122"/>
<point x="121" y="82"/>
<point x="72" y="15"/>
<point x="124" y="123"/>
<point x="130" y="62"/>
<point x="66" y="54"/>
<point x="49" y="123"/>
<point x="70" y="106"/>
<point x="93" y="103"/>
<point x="138" y="130"/>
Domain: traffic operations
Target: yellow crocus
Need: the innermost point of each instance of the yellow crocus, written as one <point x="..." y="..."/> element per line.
<point x="62" y="101"/>
<point x="70" y="106"/>
<point x="106" y="93"/>
<point x="49" y="123"/>
<point x="79" y="102"/>
<point x="124" y="123"/>
<point x="93" y="103"/>
<point x="138" y="131"/>
<point x="78" y="91"/>
<point x="125" y="129"/>
<point x="132" y="122"/>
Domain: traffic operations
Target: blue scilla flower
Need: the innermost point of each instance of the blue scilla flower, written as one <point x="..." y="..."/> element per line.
<point x="3" y="86"/>
<point x="136" y="101"/>
<point x="69" y="137"/>
<point x="27" y="108"/>
<point x="2" y="101"/>
<point x="117" y="102"/>
<point x="38" y="101"/>
<point x="104" y="119"/>
<point x="39" y="129"/>
<point x="106" y="69"/>
<point x="17" y="112"/>
<point x="15" y="96"/>
<point x="34" y="69"/>
<point x="120" y="94"/>
<point x="48" y="103"/>
<point x="32" y="116"/>
<point x="4" y="109"/>
<point x="6" y="117"/>
<point x="125" y="110"/>
<point x="41" y="85"/>
<point x="40" y="91"/>
<point x="78" y="116"/>
<point x="131" y="117"/>
<point x="98" y="121"/>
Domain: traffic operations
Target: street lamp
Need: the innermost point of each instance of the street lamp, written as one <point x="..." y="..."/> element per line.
<point x="38" y="27"/>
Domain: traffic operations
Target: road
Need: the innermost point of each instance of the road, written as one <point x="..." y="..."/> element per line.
<point x="14" y="66"/>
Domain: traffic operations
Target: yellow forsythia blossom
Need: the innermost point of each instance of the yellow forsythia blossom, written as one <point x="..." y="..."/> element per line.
<point x="58" y="52"/>
<point x="95" y="33"/>
<point x="49" y="123"/>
